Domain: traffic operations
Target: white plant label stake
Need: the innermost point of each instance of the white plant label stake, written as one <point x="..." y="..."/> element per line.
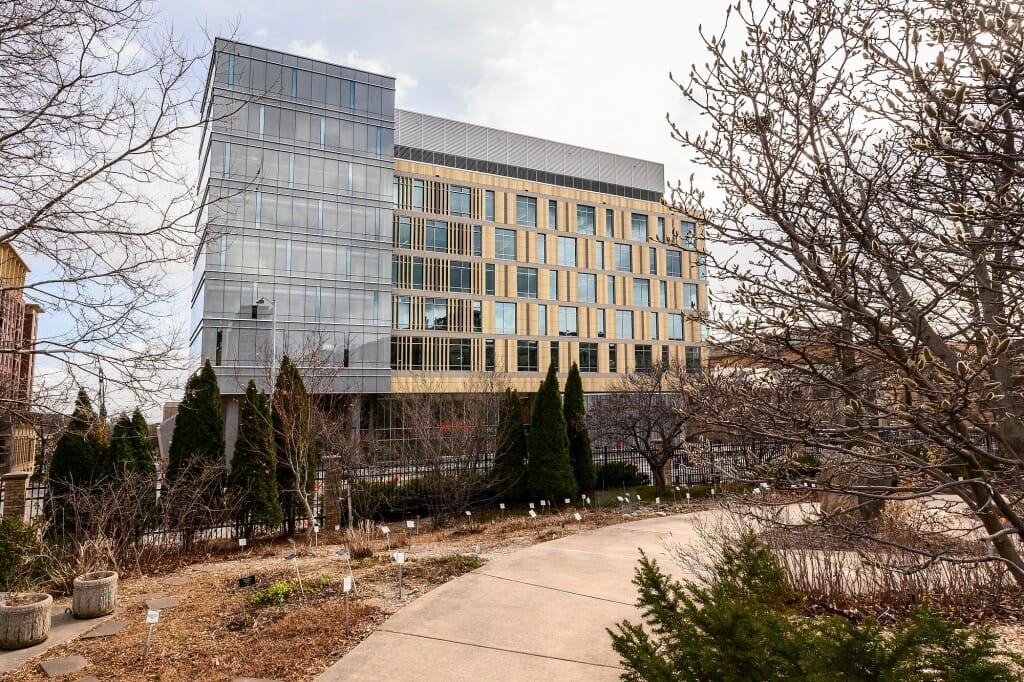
<point x="531" y="505"/>
<point x="387" y="535"/>
<point x="578" y="518"/>
<point x="346" y="587"/>
<point x="533" y="514"/>
<point x="152" y="618"/>
<point x="400" y="560"/>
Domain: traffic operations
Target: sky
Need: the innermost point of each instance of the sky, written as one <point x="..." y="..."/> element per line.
<point x="594" y="74"/>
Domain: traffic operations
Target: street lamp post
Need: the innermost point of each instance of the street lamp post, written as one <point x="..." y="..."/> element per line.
<point x="273" y="342"/>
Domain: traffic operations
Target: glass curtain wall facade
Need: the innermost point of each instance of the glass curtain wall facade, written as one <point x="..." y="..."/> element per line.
<point x="297" y="172"/>
<point x="401" y="249"/>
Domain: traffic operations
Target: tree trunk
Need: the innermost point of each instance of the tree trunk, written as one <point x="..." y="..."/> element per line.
<point x="658" y="474"/>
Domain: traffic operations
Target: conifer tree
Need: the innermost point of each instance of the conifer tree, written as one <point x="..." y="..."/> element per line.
<point x="131" y="449"/>
<point x="128" y="470"/>
<point x="252" y="483"/>
<point x="296" y="458"/>
<point x="549" y="472"/>
<point x="74" y="464"/>
<point x="197" y="443"/>
<point x="509" y="472"/>
<point x="576" y="425"/>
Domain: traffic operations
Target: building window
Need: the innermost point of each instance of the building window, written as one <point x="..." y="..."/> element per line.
<point x="478" y="240"/>
<point x="567" y="251"/>
<point x="295" y="84"/>
<point x="459" y="355"/>
<point x="639" y="224"/>
<point x="526" y="356"/>
<point x="417" y="269"/>
<point x="611" y="289"/>
<point x="288" y="256"/>
<point x="623" y="324"/>
<point x="231" y="71"/>
<point x="702" y="266"/>
<point x="461" y="277"/>
<point x="259" y="208"/>
<point x="437" y="236"/>
<point x="404" y="230"/>
<point x="526" y="282"/>
<point x="642" y="292"/>
<point x="263" y="119"/>
<point x="489" y="204"/>
<point x="643" y="357"/>
<point x="505" y="244"/>
<point x="402" y="310"/>
<point x="553" y="285"/>
<point x="554" y="355"/>
<point x="587" y="285"/>
<point x="552" y="214"/>
<point x="542" y="248"/>
<point x="674" y="263"/>
<point x="664" y="356"/>
<point x="489" y="279"/>
<point x="436" y="314"/>
<point x="417" y="194"/>
<point x="652" y="260"/>
<point x="600" y="324"/>
<point x="688" y="234"/>
<point x="654" y="326"/>
<point x="690" y="296"/>
<point x="460" y="201"/>
<point x="585" y="219"/>
<point x="661" y="229"/>
<point x="663" y="289"/>
<point x="588" y="357"/>
<point x="693" y="364"/>
<point x="227" y="160"/>
<point x="504" y="318"/>
<point x="542" y="320"/>
<point x="568" y="321"/>
<point x="613" y="358"/>
<point x="489" y="355"/>
<point x="599" y="255"/>
<point x="623" y="258"/>
<point x="526" y="211"/>
<point x="675" y="327"/>
<point x="223" y="250"/>
<point x="609" y="222"/>
<point x="478" y="325"/>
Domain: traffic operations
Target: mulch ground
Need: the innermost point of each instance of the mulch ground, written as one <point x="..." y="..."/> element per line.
<point x="217" y="632"/>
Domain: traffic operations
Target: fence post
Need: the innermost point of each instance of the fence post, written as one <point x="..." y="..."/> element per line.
<point x="16" y="494"/>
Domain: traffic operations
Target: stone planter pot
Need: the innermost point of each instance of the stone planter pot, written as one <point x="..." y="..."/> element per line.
<point x="24" y="619"/>
<point x="94" y="594"/>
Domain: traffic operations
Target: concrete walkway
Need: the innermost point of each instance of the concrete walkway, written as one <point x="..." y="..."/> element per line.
<point x="536" y="614"/>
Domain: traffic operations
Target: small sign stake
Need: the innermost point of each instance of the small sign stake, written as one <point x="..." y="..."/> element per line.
<point x="346" y="587"/>
<point x="152" y="618"/>
<point x="400" y="560"/>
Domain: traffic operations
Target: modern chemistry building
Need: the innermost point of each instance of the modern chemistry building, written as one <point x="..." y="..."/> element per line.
<point x="402" y="248"/>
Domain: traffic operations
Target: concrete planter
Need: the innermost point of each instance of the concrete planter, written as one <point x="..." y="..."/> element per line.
<point x="94" y="594"/>
<point x="24" y="619"/>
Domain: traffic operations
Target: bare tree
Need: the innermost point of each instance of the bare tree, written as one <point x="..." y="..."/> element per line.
<point x="448" y="438"/>
<point x="870" y="156"/>
<point x="654" y="411"/>
<point x="100" y="99"/>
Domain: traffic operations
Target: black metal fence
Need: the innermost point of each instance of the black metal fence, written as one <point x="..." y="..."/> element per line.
<point x="710" y="462"/>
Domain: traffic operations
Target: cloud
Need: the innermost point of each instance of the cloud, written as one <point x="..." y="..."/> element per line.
<point x="404" y="82"/>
